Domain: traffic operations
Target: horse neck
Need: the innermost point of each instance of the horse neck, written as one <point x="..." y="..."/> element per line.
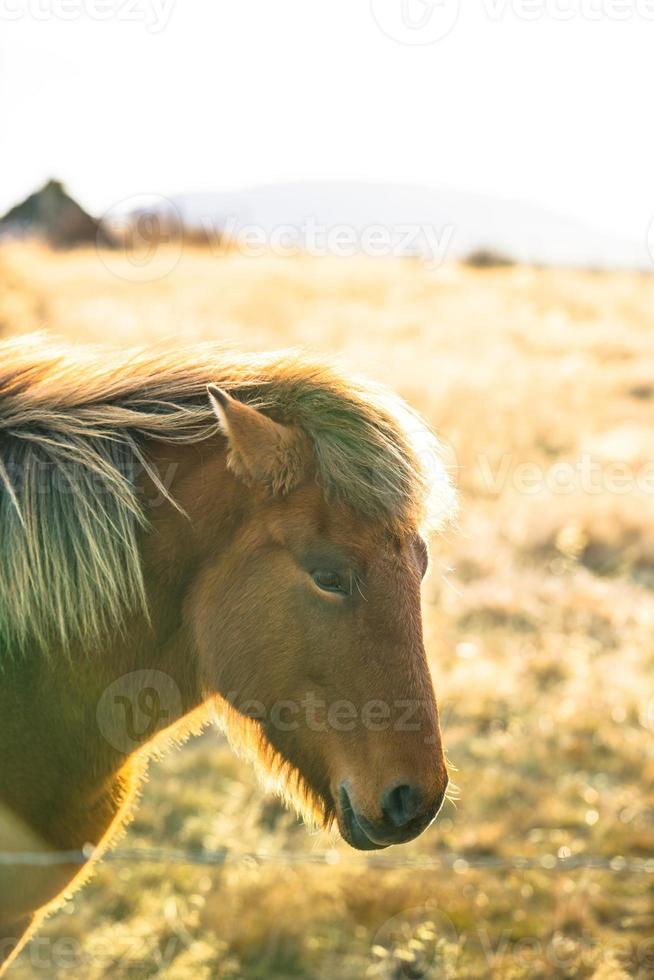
<point x="91" y="708"/>
<point x="185" y="527"/>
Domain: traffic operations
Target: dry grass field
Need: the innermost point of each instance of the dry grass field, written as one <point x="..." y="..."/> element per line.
<point x="539" y="616"/>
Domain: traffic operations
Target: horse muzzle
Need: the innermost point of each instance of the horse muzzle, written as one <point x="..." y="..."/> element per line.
<point x="405" y="813"/>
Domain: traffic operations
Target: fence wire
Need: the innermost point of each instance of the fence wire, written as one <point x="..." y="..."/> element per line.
<point x="383" y="861"/>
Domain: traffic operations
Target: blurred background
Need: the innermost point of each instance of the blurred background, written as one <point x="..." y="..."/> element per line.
<point x="459" y="201"/>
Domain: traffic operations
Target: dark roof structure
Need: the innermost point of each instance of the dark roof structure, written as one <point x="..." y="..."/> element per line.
<point x="51" y="213"/>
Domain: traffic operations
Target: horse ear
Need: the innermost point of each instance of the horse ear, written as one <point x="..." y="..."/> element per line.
<point x="260" y="450"/>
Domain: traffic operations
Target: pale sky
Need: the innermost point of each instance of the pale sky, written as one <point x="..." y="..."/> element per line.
<point x="549" y="101"/>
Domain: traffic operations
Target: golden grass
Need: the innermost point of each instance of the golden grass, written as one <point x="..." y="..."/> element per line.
<point x="539" y="622"/>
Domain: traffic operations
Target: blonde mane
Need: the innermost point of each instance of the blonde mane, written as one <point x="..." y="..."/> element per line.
<point x="75" y="424"/>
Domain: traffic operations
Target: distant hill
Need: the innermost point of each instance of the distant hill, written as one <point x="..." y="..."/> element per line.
<point x="461" y="223"/>
<point x="51" y="213"/>
<point x="343" y="217"/>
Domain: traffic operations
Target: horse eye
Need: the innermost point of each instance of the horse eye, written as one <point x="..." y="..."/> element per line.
<point x="329" y="581"/>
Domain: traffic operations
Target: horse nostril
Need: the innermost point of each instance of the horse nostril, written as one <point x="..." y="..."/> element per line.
<point x="401" y="804"/>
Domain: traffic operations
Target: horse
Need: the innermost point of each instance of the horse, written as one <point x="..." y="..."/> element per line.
<point x="191" y="534"/>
